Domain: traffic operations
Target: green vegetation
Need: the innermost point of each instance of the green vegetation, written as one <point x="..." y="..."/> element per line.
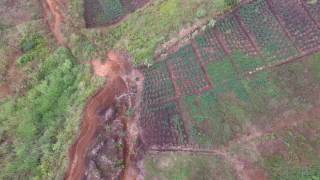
<point x="179" y="166"/>
<point x="264" y="26"/>
<point x="231" y="2"/>
<point x="217" y="116"/>
<point x="298" y="160"/>
<point x="246" y="63"/>
<point x="103" y="12"/>
<point x="221" y="71"/>
<point x="33" y="46"/>
<point x="143" y="31"/>
<point x="38" y="128"/>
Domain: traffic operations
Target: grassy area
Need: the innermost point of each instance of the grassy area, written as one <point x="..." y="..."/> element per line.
<point x="296" y="154"/>
<point x="143" y="31"/>
<point x="178" y="166"/>
<point x="237" y="101"/>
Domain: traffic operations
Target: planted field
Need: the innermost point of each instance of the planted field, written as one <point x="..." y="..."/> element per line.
<point x="304" y="32"/>
<point x="186" y="71"/>
<point x="209" y="47"/>
<point x="106" y="12"/>
<point x="232" y="33"/>
<point x="271" y="39"/>
<point x="158" y="86"/>
<point x="313" y="7"/>
<point x="273" y="134"/>
<point x="163" y="125"/>
<point x="218" y="86"/>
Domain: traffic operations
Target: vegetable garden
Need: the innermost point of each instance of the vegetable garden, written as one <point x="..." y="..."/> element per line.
<point x="209" y="47"/>
<point x="305" y="33"/>
<point x="106" y="12"/>
<point x="236" y="40"/>
<point x="259" y="21"/>
<point x="208" y="91"/>
<point x="313" y="7"/>
<point x="186" y="72"/>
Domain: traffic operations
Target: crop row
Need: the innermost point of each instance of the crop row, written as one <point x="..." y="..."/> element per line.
<point x="186" y="71"/>
<point x="162" y="125"/>
<point x="305" y="33"/>
<point x="314" y="8"/>
<point x="235" y="38"/>
<point x="158" y="86"/>
<point x="105" y="12"/>
<point x="209" y="47"/>
<point x="269" y="36"/>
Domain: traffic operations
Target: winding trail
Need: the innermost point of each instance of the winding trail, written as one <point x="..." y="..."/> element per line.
<point x="51" y="9"/>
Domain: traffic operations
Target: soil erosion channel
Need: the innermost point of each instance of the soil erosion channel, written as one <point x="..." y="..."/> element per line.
<point x="105" y="145"/>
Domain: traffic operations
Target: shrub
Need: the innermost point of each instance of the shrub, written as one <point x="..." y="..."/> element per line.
<point x="231" y="3"/>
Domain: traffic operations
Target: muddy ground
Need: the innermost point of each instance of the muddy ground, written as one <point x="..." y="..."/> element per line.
<point x="106" y="146"/>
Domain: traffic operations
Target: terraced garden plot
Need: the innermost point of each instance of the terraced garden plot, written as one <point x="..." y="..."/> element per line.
<point x="209" y="47"/>
<point x="224" y="81"/>
<point x="314" y="8"/>
<point x="186" y="71"/>
<point x="158" y="87"/>
<point x="271" y="39"/>
<point x="236" y="39"/>
<point x="273" y="135"/>
<point x="132" y="5"/>
<point x="102" y="12"/>
<point x="162" y="125"/>
<point x="106" y="12"/>
<point x="304" y="32"/>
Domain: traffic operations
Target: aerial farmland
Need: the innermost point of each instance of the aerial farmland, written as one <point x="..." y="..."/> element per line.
<point x="160" y="89"/>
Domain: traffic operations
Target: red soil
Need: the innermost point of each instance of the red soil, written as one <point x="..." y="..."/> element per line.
<point x="103" y="99"/>
<point x="120" y="79"/>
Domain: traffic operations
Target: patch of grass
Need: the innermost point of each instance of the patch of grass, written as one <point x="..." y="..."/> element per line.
<point x="215" y="117"/>
<point x="221" y="71"/>
<point x="315" y="66"/>
<point x="177" y="166"/>
<point x="246" y="63"/>
<point x="300" y="163"/>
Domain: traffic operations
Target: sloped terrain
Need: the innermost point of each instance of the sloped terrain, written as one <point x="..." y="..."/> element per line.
<point x="245" y="91"/>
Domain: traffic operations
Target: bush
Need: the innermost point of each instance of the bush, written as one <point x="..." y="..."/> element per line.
<point x="42" y="116"/>
<point x="33" y="46"/>
<point x="231" y="3"/>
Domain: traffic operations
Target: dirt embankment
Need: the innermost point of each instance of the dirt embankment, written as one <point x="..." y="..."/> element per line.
<point x="90" y="124"/>
<point x="106" y="145"/>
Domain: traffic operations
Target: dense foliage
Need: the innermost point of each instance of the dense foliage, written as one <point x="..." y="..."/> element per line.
<point x="35" y="129"/>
